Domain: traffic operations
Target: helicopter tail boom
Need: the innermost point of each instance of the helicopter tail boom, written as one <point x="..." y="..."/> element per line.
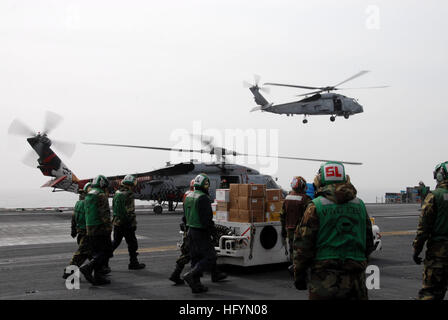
<point x="261" y="101"/>
<point x="51" y="165"/>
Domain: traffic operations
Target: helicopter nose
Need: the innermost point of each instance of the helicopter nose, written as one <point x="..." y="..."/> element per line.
<point x="359" y="108"/>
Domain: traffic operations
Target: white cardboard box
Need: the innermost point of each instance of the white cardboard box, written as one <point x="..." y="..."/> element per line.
<point x="223" y="195"/>
<point x="222" y="216"/>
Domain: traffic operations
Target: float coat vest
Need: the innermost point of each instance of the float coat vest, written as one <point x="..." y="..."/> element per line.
<point x="91" y="207"/>
<point x="295" y="205"/>
<point x="191" y="209"/>
<point x="342" y="231"/>
<point x="80" y="215"/>
<point x="440" y="231"/>
<point x="119" y="205"/>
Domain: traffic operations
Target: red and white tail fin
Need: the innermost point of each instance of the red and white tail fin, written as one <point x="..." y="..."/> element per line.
<point x="51" y="165"/>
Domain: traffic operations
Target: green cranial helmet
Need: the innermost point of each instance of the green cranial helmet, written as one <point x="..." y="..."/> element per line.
<point x="441" y="171"/>
<point x="201" y="181"/>
<point x="332" y="172"/>
<point x="87" y="187"/>
<point x="129" y="180"/>
<point x="100" y="182"/>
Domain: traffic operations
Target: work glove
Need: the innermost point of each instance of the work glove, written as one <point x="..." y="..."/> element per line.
<point x="416" y="258"/>
<point x="73" y="234"/>
<point x="300" y="282"/>
<point x="182" y="227"/>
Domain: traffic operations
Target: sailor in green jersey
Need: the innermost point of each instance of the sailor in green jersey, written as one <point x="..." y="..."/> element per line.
<point x="199" y="221"/>
<point x="124" y="221"/>
<point x="99" y="229"/>
<point x="333" y="240"/>
<point x="433" y="230"/>
<point x="79" y="229"/>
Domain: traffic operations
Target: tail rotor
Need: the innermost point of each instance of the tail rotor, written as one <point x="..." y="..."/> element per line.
<point x="38" y="139"/>
<point x="256" y="84"/>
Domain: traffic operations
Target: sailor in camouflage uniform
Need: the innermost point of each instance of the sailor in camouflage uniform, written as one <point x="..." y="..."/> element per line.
<point x="199" y="221"/>
<point x="333" y="240"/>
<point x="78" y="228"/>
<point x="99" y="228"/>
<point x="184" y="257"/>
<point x="433" y="229"/>
<point x="294" y="206"/>
<point x="124" y="221"/>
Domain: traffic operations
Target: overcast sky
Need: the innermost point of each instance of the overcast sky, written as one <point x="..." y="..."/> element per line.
<point x="139" y="72"/>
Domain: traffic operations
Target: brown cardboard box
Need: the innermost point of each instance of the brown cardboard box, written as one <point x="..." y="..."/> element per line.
<point x="251" y="215"/>
<point x="273" y="195"/>
<point x="234" y="191"/>
<point x="252" y="190"/>
<point x="233" y="215"/>
<point x="234" y="203"/>
<point x="223" y="206"/>
<point x="274" y="206"/>
<point x="251" y="203"/>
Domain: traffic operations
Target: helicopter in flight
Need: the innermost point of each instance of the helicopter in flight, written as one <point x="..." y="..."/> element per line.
<point x="165" y="184"/>
<point x="322" y="101"/>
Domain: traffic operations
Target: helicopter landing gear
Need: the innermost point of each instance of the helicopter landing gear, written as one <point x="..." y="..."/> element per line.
<point x="332" y="118"/>
<point x="346" y="116"/>
<point x="304" y="119"/>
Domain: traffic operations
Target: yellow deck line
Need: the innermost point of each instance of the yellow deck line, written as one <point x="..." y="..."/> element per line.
<point x="148" y="250"/>
<point x="174" y="247"/>
<point x="398" y="233"/>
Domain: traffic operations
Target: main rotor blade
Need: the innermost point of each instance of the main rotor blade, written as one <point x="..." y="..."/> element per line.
<point x="352" y="77"/>
<point x="19" y="128"/>
<point x="52" y="120"/>
<point x="296" y="158"/>
<point x="290" y="85"/>
<point x="144" y="147"/>
<point x="204" y="151"/>
<point x="309" y="93"/>
<point x="68" y="148"/>
<point x="378" y="87"/>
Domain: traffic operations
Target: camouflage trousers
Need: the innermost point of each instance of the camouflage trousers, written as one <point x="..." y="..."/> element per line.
<point x="332" y="284"/>
<point x="290" y="237"/>
<point x="435" y="280"/>
<point x="184" y="257"/>
<point x="84" y="251"/>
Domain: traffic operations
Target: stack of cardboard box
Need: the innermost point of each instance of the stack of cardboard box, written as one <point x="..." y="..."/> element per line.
<point x="247" y="202"/>
<point x="222" y="204"/>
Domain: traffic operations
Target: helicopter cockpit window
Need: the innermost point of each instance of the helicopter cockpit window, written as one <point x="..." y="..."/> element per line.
<point x="270" y="184"/>
<point x="227" y="180"/>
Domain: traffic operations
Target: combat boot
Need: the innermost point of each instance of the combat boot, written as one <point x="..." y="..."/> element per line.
<point x="175" y="276"/>
<point x="217" y="275"/>
<point x="105" y="269"/>
<point x="135" y="265"/>
<point x="86" y="271"/>
<point x="100" y="279"/>
<point x="193" y="280"/>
